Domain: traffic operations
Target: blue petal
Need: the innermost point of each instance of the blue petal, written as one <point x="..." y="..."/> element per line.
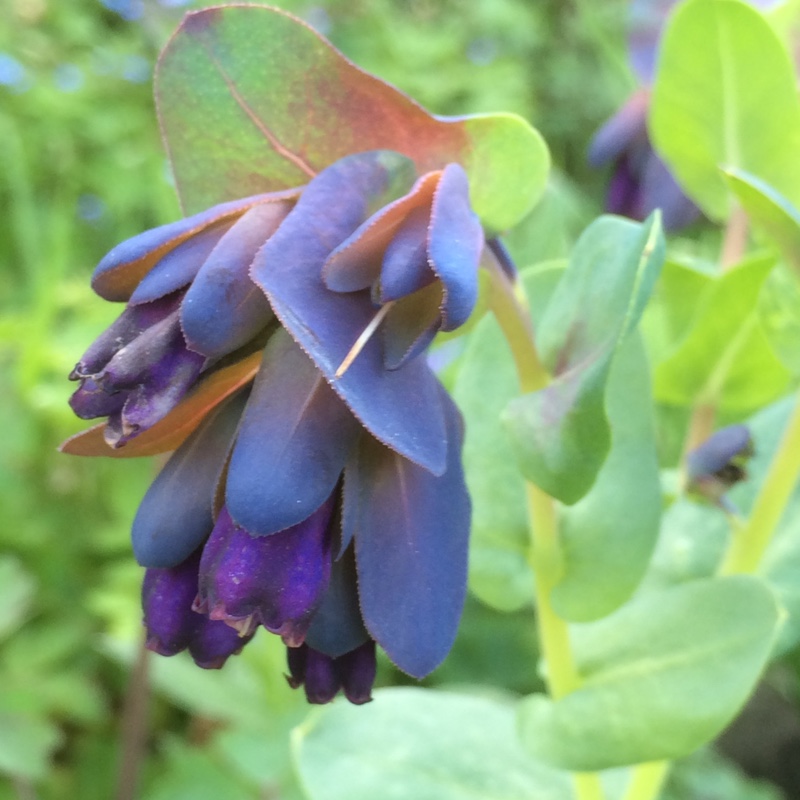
<point x="411" y="325"/>
<point x="175" y="515"/>
<point x="337" y="627"/>
<point x="401" y="408"/>
<point x="355" y="263"/>
<point x="621" y="131"/>
<point x="223" y="309"/>
<point x="179" y="267"/>
<point x="660" y="190"/>
<point x="293" y="443"/>
<point x="405" y="266"/>
<point x="116" y="276"/>
<point x="411" y="542"/>
<point x="455" y="242"/>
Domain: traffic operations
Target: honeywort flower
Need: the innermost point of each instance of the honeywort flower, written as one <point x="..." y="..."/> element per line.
<point x="326" y="502"/>
<point x="640" y="180"/>
<point x="718" y="464"/>
<point x="276" y="345"/>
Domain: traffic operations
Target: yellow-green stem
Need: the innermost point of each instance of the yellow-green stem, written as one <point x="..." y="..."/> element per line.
<point x="647" y="780"/>
<point x="750" y="541"/>
<point x="545" y="558"/>
<point x="508" y="303"/>
<point x="734" y="243"/>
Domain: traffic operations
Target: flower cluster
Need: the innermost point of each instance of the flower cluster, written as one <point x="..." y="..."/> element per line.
<point x="640" y="181"/>
<point x="323" y="499"/>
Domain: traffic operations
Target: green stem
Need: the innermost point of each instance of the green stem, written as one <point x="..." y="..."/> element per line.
<point x="510" y="307"/>
<point x="507" y="301"/>
<point x="647" y="780"/>
<point x="701" y="423"/>
<point x="545" y="559"/>
<point x="750" y="541"/>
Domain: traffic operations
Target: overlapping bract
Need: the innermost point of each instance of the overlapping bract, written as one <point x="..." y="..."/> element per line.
<point x="326" y="502"/>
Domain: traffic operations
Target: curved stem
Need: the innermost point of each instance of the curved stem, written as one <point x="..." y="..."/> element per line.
<point x="507" y="301"/>
<point x="751" y="540"/>
<point x="545" y="559"/>
<point x="510" y="307"/>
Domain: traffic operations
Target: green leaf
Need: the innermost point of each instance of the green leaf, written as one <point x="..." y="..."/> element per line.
<point x="779" y="315"/>
<point x="663" y="676"/>
<point x="560" y="433"/>
<point x="719" y="61"/>
<point x="499" y="573"/>
<point x="252" y="100"/>
<point x="673" y="307"/>
<point x="726" y="359"/>
<point x="694" y="536"/>
<point x="706" y="774"/>
<point x="420" y="744"/>
<point x="608" y="536"/>
<point x="27" y="740"/>
<point x="192" y="773"/>
<point x="17" y="589"/>
<point x="769" y="210"/>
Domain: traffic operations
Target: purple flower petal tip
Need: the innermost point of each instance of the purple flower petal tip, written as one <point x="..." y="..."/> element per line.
<point x="277" y="581"/>
<point x="323" y="676"/>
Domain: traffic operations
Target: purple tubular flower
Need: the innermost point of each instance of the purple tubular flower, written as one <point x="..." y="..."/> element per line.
<point x="323" y="676"/>
<point x="326" y="503"/>
<point x="640" y="182"/>
<point x="276" y="581"/>
<point x="171" y="624"/>
<point x="190" y="303"/>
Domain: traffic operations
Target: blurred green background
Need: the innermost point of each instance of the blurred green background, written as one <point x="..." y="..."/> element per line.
<point x="81" y="168"/>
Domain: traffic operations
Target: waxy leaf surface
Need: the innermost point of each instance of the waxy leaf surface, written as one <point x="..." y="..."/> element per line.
<point x="608" y="536"/>
<point x="411" y="541"/>
<point x="561" y="433"/>
<point x="402" y="407"/>
<point x="770" y="211"/>
<point x="720" y="60"/>
<point x="175" y="515"/>
<point x="251" y="99"/>
<point x="664" y="694"/>
<point x="431" y="745"/>
<point x="293" y="442"/>
<point x="725" y="357"/>
<point x="223" y="309"/>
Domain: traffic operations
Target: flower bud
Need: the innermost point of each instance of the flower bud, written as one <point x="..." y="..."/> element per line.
<point x="276" y="581"/>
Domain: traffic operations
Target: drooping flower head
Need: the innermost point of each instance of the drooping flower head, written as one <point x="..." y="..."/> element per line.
<point x="277" y="344"/>
<point x="640" y="181"/>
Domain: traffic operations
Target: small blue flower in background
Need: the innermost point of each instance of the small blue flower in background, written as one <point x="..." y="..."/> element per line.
<point x="68" y="77"/>
<point x="12" y="74"/>
<point x="90" y="208"/>
<point x="640" y="180"/>
<point x="718" y="464"/>
<point x="324" y="500"/>
<point x="129" y="10"/>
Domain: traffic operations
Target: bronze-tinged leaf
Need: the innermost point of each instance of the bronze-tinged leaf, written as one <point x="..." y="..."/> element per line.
<point x="251" y="99"/>
<point x="170" y="432"/>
